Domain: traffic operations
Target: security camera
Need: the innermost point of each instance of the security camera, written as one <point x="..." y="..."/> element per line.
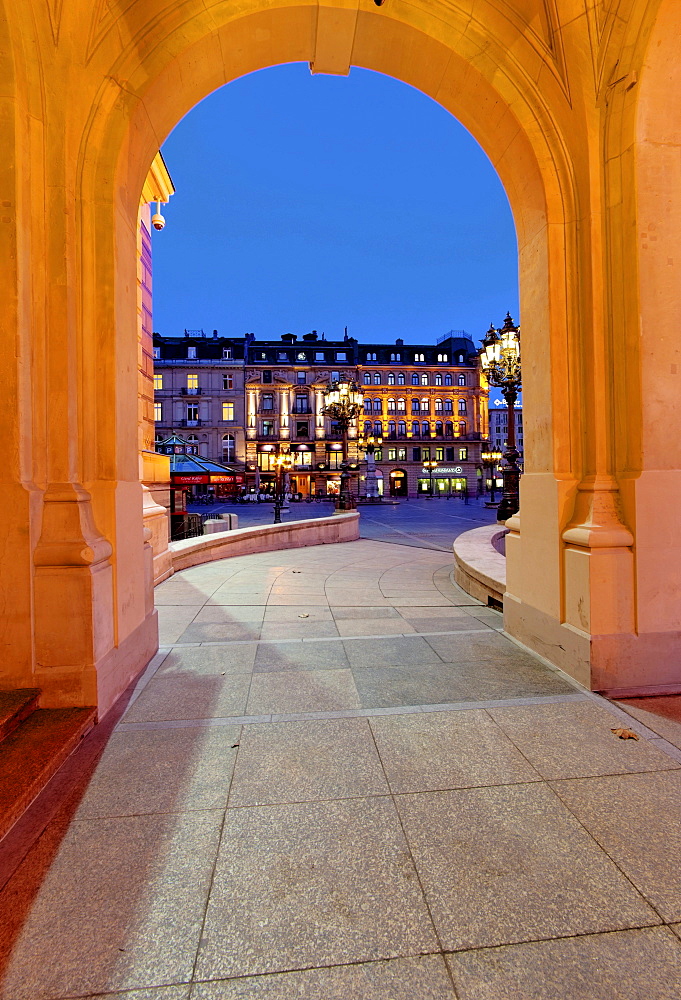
<point x="157" y="221"/>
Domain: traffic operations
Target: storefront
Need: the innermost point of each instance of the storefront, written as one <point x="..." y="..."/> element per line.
<point x="446" y="481"/>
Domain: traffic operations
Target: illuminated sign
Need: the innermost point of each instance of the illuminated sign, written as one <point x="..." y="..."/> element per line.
<point x="444" y="470"/>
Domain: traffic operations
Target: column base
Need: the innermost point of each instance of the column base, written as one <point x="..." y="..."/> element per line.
<point x="619" y="665"/>
<point x="103" y="682"/>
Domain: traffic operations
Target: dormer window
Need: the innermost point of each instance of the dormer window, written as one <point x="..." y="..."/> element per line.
<point x="419" y="357"/>
<point x="157" y="353"/>
<point x="442" y="357"/>
<point x="226" y="353"/>
<point x="191" y="353"/>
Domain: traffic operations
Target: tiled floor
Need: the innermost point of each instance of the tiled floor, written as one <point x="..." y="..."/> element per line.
<point x="339" y="780"/>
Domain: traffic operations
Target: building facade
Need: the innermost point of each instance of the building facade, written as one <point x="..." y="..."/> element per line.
<point x="199" y="394"/>
<point x="498" y="425"/>
<point x="244" y="402"/>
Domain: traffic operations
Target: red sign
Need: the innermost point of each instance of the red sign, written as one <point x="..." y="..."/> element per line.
<point x="189" y="480"/>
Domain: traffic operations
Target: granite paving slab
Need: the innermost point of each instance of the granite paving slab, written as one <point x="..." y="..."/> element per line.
<point x="510" y="863"/>
<point x="386" y="652"/>
<point x="114" y="905"/>
<point x="311" y="690"/>
<point x="160" y="771"/>
<point x="575" y="740"/>
<point x="224" y="658"/>
<point x="447" y="750"/>
<point x="300" y="761"/>
<point x="427" y="684"/>
<point x="635" y="818"/>
<point x="309" y="884"/>
<point x="191" y="696"/>
<point x="662" y="715"/>
<point x="296" y="655"/>
<point x="635" y="964"/>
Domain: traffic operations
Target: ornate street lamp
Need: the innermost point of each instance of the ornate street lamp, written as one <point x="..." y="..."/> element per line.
<point x="284" y="464"/>
<point x="369" y="444"/>
<point x="343" y="404"/>
<point x="500" y="360"/>
<point x="490" y="459"/>
<point x="430" y="465"/>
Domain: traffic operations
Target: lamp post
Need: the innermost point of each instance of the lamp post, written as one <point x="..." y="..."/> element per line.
<point x="490" y="459"/>
<point x="369" y="444"/>
<point x="284" y="464"/>
<point x="500" y="360"/>
<point x="430" y="465"/>
<point x="343" y="404"/>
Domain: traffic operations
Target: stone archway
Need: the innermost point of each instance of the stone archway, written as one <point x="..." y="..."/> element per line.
<point x="98" y="87"/>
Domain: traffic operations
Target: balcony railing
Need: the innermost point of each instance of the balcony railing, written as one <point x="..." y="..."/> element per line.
<point x="307" y="410"/>
<point x="194" y="391"/>
<point x="190" y="423"/>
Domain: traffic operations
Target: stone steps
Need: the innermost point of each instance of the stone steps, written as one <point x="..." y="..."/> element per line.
<point x="15" y="706"/>
<point x="35" y="743"/>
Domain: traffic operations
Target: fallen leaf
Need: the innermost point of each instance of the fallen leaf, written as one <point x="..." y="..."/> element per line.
<point x="235" y="745"/>
<point x="303" y="616"/>
<point x="625" y="734"/>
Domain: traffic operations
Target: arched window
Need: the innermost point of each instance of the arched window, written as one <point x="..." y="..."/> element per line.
<point x="400" y="378"/>
<point x="391" y="405"/>
<point x="377" y="378"/>
<point x="448" y="406"/>
<point x="378" y="428"/>
<point x="367" y="427"/>
<point x="438" y="428"/>
<point x="228" y="449"/>
<point x="415" y="406"/>
<point x="378" y="406"/>
<point x="448" y="378"/>
<point x="462" y="407"/>
<point x="371" y="357"/>
<point x="367" y="405"/>
<point x="425" y="429"/>
<point x="391" y="378"/>
<point x="401" y="405"/>
<point x="442" y="357"/>
<point x="438" y="406"/>
<point x="401" y="428"/>
<point x="419" y="357"/>
<point x="415" y="428"/>
<point x="438" y="378"/>
<point x="424" y="378"/>
<point x="461" y="380"/>
<point x="462" y="428"/>
<point x="461" y="359"/>
<point x="367" y="378"/>
<point x="425" y="404"/>
<point x="391" y="428"/>
<point x="449" y="429"/>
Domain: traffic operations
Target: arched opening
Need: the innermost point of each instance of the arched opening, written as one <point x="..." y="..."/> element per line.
<point x="135" y="80"/>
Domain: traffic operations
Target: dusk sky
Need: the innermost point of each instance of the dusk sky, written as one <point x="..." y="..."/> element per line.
<point x="318" y="202"/>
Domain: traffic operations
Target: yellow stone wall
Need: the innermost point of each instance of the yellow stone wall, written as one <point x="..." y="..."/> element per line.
<point x="577" y="107"/>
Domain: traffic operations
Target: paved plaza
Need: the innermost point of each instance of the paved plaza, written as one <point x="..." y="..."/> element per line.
<point x="419" y="522"/>
<point x="339" y="780"/>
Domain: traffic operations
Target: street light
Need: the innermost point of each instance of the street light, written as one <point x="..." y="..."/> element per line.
<point x="490" y="459"/>
<point x="343" y="404"/>
<point x="369" y="444"/>
<point x="500" y="360"/>
<point x="284" y="464"/>
<point x="430" y="465"/>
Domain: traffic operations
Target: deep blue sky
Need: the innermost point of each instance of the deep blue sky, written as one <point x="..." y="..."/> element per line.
<point x="318" y="202"/>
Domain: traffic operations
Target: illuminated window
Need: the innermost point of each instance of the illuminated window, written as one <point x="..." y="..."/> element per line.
<point x="158" y="381"/>
<point x="377" y="378"/>
<point x="424" y="379"/>
<point x="463" y="454"/>
<point x="191" y="353"/>
<point x="158" y="412"/>
<point x="226" y="353"/>
<point x="419" y="357"/>
<point x="227" y="410"/>
<point x="438" y="378"/>
<point x="228" y="448"/>
<point x="192" y="381"/>
<point x="439" y="454"/>
<point x="442" y="357"/>
<point x="157" y="352"/>
<point x="391" y="378"/>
